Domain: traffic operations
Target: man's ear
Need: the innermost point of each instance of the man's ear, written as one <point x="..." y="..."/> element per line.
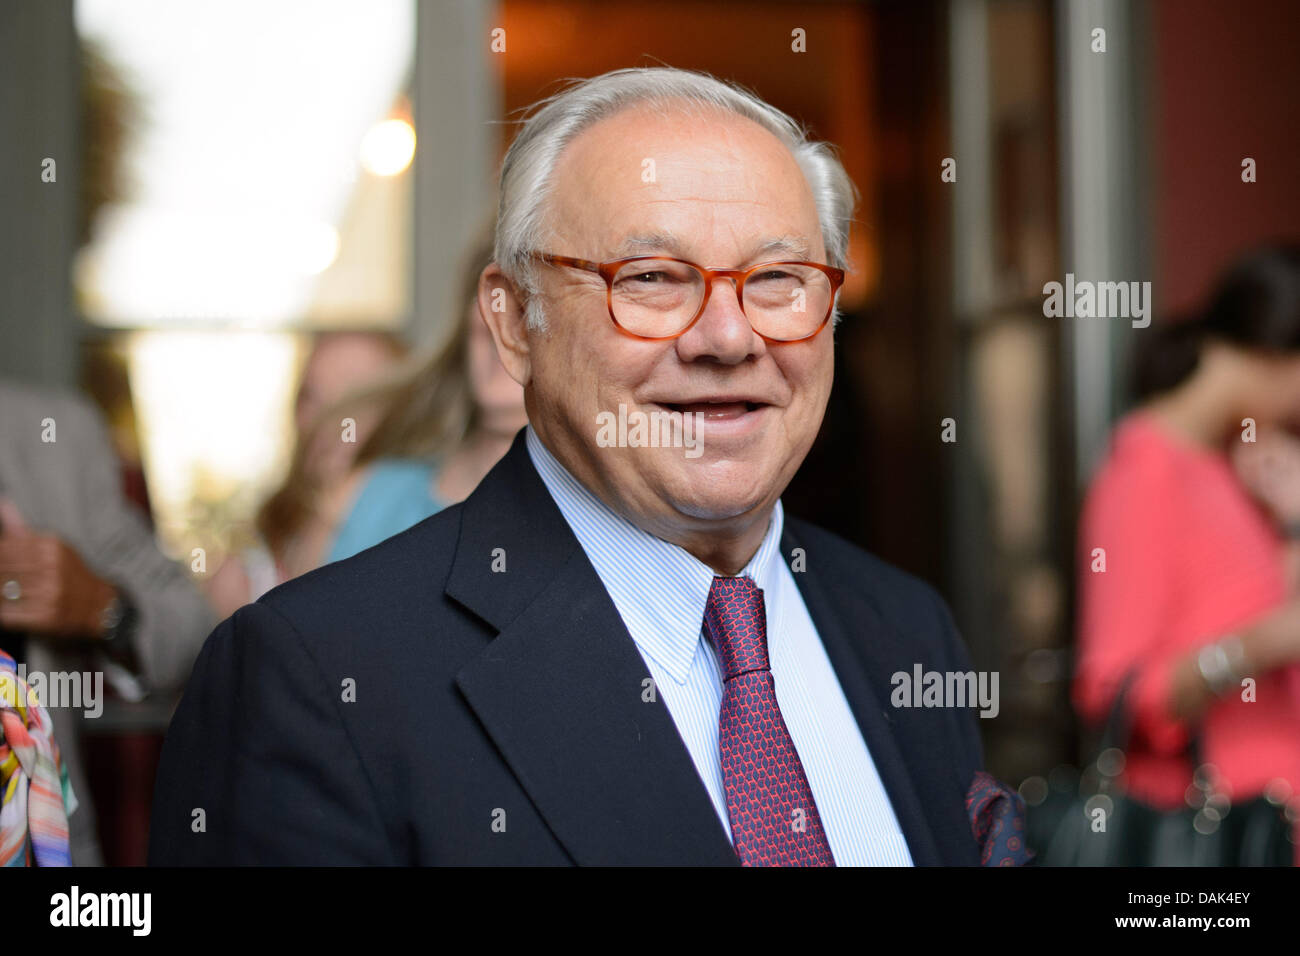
<point x="503" y="312"/>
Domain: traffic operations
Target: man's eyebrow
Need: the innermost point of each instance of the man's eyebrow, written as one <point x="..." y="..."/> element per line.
<point x="786" y="246"/>
<point x="646" y="243"/>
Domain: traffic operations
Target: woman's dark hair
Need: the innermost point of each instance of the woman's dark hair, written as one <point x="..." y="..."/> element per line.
<point x="1256" y="305"/>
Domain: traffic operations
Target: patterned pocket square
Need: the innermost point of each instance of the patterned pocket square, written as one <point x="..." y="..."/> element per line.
<point x="997" y="819"/>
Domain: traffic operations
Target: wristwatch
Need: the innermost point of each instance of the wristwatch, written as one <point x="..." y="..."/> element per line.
<point x="119" y="621"/>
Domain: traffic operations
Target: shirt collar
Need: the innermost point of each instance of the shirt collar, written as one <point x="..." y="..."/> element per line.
<point x="659" y="589"/>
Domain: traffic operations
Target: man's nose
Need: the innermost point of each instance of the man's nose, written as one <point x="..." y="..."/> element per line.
<point x="722" y="332"/>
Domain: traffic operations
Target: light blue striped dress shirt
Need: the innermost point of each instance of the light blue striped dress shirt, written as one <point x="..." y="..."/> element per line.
<point x="660" y="591"/>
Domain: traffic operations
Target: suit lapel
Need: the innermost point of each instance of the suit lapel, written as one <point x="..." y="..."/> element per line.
<point x="560" y="689"/>
<point x="856" y="670"/>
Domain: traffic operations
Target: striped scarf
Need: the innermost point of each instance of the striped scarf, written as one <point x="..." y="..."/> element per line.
<point x="35" y="796"/>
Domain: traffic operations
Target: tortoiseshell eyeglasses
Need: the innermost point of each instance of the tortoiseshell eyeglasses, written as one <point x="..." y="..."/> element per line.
<point x="658" y="297"/>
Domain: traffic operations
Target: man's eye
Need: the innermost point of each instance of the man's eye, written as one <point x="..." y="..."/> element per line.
<point x="772" y="275"/>
<point x="651" y="278"/>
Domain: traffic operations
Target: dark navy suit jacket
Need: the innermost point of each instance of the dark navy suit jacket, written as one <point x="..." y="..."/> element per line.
<point x="410" y="705"/>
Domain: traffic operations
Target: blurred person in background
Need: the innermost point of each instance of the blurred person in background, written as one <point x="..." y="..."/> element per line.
<point x="85" y="591"/>
<point x="84" y="588"/>
<point x="296" y="525"/>
<point x="444" y="422"/>
<point x="1195" y="592"/>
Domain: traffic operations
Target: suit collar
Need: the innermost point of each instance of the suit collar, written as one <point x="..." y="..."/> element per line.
<point x="850" y="628"/>
<point x="664" y="619"/>
<point x="561" y="687"/>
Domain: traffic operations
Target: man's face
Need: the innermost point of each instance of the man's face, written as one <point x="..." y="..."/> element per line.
<point x="721" y="192"/>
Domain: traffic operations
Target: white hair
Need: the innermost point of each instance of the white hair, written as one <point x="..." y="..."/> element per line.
<point x="554" y="122"/>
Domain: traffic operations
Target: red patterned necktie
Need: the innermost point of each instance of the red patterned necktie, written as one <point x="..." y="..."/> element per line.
<point x="774" y="821"/>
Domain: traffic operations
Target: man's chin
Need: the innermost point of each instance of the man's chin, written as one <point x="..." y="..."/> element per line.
<point x="713" y="495"/>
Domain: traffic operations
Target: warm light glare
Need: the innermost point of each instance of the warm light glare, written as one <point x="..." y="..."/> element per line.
<point x="319" y="249"/>
<point x="388" y="147"/>
<point x="215" y="420"/>
<point x="165" y="267"/>
<point x="244" y="180"/>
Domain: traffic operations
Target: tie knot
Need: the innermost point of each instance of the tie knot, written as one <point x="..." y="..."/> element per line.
<point x="736" y="624"/>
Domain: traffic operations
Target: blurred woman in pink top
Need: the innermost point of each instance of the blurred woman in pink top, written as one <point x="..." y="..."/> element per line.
<point x="1188" y="550"/>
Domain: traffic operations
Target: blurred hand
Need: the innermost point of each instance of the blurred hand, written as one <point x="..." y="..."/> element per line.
<point x="56" y="593"/>
<point x="1270" y="470"/>
<point x="1268" y="644"/>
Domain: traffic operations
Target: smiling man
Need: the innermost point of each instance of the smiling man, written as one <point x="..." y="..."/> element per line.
<point x="603" y="655"/>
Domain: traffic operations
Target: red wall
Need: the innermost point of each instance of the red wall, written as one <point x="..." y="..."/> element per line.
<point x="1226" y="77"/>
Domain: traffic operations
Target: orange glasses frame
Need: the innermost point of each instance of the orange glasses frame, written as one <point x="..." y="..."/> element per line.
<point x="607" y="271"/>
